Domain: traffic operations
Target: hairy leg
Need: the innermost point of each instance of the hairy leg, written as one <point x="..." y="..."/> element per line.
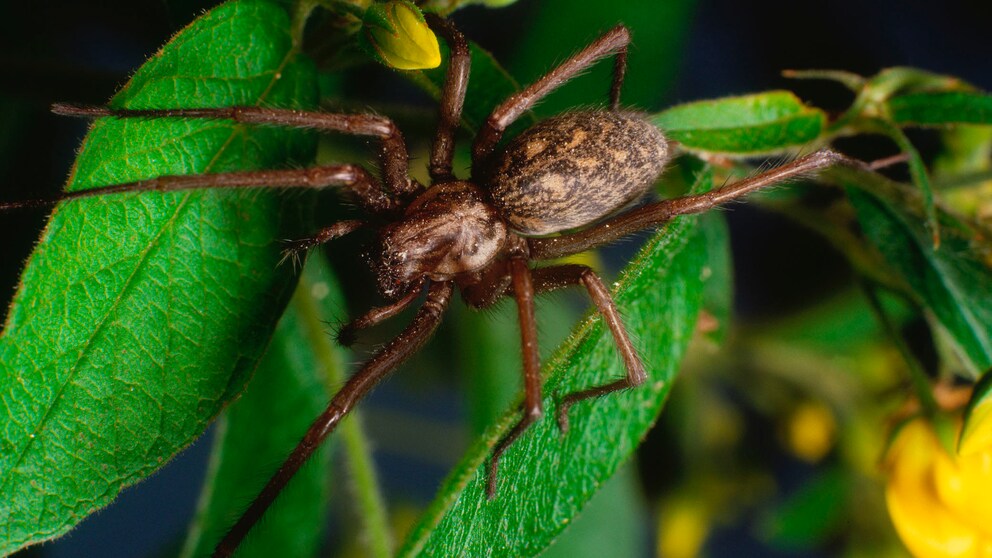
<point x="523" y="291"/>
<point x="614" y="41"/>
<point x="556" y="277"/>
<point x="295" y="249"/>
<point x="392" y="155"/>
<point x="658" y="213"/>
<point x="452" y="98"/>
<point x="353" y="178"/>
<point x="380" y="365"/>
<point x="346" y="335"/>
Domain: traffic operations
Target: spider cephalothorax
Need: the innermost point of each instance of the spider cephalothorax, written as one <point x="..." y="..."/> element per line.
<point x="557" y="189"/>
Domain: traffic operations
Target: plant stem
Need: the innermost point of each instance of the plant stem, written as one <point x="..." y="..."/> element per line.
<point x="371" y="507"/>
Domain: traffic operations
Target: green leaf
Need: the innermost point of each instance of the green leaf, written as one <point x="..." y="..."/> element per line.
<point x="942" y="108"/>
<point x="808" y="517"/>
<point x="548" y="478"/>
<point x="258" y="431"/>
<point x="611" y="525"/>
<point x="140" y="315"/>
<point x="747" y="125"/>
<point x="953" y="282"/>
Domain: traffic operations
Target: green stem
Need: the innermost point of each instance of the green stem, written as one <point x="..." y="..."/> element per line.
<point x="917" y="376"/>
<point x="918" y="172"/>
<point x="370" y="503"/>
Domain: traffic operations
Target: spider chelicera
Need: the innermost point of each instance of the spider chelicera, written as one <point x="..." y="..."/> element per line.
<point x="554" y="190"/>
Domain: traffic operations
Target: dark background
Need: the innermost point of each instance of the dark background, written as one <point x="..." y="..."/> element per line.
<point x="82" y="52"/>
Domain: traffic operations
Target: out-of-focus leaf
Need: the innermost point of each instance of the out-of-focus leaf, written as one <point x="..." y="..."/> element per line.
<point x="257" y="432"/>
<point x="942" y="108"/>
<point x="140" y="315"/>
<point x="976" y="434"/>
<point x="719" y="293"/>
<point x="747" y="125"/>
<point x="611" y="525"/>
<point x="806" y="518"/>
<point x="953" y="282"/>
<point x="547" y="478"/>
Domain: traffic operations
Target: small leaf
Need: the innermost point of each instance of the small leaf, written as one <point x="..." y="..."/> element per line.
<point x="942" y="108"/>
<point x="748" y="125"/>
<point x="976" y="434"/>
<point x="953" y="282"/>
<point x="547" y="477"/>
<point x="262" y="427"/>
<point x="140" y="315"/>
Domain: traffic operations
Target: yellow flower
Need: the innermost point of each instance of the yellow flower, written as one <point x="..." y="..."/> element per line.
<point x="941" y="505"/>
<point x="397" y="35"/>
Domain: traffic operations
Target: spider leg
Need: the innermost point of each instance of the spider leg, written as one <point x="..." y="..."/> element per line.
<point x="555" y="277"/>
<point x="523" y="290"/>
<point x="392" y="156"/>
<point x="658" y="213"/>
<point x="346" y="335"/>
<point x="614" y="41"/>
<point x="352" y="177"/>
<point x="452" y="98"/>
<point x="381" y="364"/>
<point x="294" y="248"/>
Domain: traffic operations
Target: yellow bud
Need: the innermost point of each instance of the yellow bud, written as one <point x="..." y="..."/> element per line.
<point x="937" y="502"/>
<point x="396" y="33"/>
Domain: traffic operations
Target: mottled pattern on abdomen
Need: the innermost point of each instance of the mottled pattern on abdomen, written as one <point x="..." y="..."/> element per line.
<point x="574" y="169"/>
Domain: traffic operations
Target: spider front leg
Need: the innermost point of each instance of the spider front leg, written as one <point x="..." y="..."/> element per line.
<point x="378" y="367"/>
<point x="614" y="41"/>
<point x="556" y="277"/>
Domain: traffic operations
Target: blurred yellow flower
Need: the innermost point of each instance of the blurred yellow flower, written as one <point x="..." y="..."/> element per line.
<point x="397" y="35"/>
<point x="977" y="434"/>
<point x="810" y="431"/>
<point x="941" y="505"/>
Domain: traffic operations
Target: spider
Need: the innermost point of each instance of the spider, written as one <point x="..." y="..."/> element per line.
<point x="560" y="187"/>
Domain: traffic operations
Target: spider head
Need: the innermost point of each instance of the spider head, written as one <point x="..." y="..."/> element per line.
<point x="446" y="231"/>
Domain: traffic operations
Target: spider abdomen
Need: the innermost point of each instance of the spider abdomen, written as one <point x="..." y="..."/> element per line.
<point x="574" y="169"/>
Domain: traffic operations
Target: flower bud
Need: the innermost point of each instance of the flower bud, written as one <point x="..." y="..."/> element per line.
<point x="395" y="34"/>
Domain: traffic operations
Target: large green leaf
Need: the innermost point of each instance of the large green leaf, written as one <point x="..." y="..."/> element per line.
<point x="746" y="125"/>
<point x="952" y="281"/>
<point x="548" y="478"/>
<point x="139" y="316"/>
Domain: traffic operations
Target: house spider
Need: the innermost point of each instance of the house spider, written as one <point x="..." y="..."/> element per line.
<point x="552" y="191"/>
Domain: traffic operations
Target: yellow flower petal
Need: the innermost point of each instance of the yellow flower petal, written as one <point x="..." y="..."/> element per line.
<point x="930" y="525"/>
